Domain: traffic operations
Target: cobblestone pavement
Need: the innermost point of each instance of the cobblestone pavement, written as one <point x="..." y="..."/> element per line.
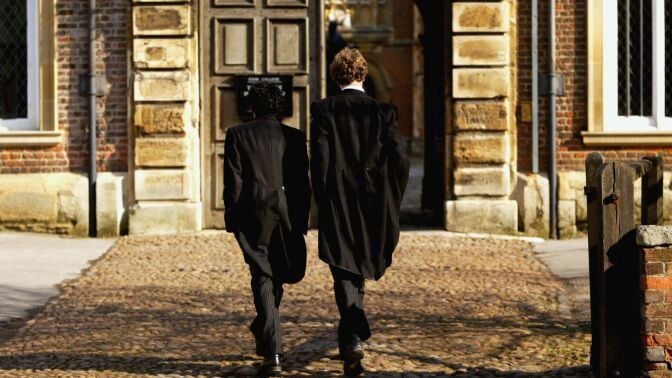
<point x="180" y="306"/>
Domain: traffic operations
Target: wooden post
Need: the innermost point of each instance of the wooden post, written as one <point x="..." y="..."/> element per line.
<point x="595" y="262"/>
<point x="620" y="271"/>
<point x="652" y="192"/>
<point x="613" y="259"/>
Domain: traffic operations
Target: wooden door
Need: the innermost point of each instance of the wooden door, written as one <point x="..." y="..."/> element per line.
<point x="252" y="37"/>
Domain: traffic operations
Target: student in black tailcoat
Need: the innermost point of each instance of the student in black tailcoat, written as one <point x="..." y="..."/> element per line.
<point x="267" y="199"/>
<point x="359" y="171"/>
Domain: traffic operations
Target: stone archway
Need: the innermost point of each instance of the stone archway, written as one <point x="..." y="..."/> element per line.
<point x="470" y="129"/>
<point x="434" y="15"/>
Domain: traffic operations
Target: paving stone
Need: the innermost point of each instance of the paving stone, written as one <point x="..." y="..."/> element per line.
<point x="179" y="306"/>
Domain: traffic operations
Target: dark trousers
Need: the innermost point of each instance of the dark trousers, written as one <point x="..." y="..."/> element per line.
<point x="349" y="293"/>
<point x="266" y="326"/>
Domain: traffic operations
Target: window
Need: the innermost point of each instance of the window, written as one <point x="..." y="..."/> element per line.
<point x="636" y="66"/>
<point x="19" y="65"/>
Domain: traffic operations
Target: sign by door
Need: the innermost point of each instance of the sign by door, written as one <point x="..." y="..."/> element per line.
<point x="245" y="82"/>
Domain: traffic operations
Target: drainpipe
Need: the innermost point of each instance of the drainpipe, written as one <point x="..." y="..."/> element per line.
<point x="535" y="86"/>
<point x="92" y="119"/>
<point x="552" y="166"/>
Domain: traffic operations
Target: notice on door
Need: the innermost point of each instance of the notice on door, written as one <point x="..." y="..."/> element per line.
<point x="245" y="82"/>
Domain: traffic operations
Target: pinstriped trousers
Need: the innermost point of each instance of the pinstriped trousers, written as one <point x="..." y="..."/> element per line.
<point x="266" y="327"/>
<point x="349" y="293"/>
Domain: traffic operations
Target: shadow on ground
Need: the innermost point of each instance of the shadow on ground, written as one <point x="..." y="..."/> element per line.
<point x="182" y="305"/>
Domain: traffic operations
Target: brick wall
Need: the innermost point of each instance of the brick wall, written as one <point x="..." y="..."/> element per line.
<point x="571" y="60"/>
<point x="72" y="60"/>
<point x="656" y="283"/>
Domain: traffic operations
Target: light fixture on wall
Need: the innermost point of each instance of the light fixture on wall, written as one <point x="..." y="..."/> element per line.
<point x="339" y="12"/>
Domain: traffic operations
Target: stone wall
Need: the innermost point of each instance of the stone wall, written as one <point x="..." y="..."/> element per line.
<point x="44" y="189"/>
<point x="572" y="204"/>
<point x="165" y="167"/>
<point x="59" y="203"/>
<point x="481" y="134"/>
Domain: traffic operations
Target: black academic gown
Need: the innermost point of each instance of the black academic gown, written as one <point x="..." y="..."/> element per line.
<point x="359" y="171"/>
<point x="267" y="195"/>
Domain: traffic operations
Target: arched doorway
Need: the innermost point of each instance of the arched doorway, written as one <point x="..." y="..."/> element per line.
<point x="434" y="49"/>
<point x="406" y="68"/>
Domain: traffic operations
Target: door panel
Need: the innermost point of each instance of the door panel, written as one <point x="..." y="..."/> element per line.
<point x="252" y="37"/>
<point x="234" y="46"/>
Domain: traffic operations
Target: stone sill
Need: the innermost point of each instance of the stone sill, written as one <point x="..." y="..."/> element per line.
<point x="611" y="138"/>
<point x="29" y="138"/>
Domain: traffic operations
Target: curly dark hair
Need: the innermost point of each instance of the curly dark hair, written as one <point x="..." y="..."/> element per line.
<point x="348" y="66"/>
<point x="265" y="99"/>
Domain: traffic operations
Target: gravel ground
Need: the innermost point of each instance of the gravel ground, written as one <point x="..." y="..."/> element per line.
<point x="180" y="306"/>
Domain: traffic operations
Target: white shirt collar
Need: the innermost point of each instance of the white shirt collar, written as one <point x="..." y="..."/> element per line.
<point x="353" y="86"/>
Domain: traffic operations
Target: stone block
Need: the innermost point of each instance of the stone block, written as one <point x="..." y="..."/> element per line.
<point x="481" y="50"/>
<point x="166" y="218"/>
<point x="162" y="152"/>
<point x="163" y="184"/>
<point x="162" y="118"/>
<point x="45" y="202"/>
<point x="655" y="354"/>
<point x="481" y="82"/>
<point x="73" y="202"/>
<point x="31" y="206"/>
<point x="483" y="181"/>
<point x="667" y="207"/>
<point x="162" y="86"/>
<point x="481" y="115"/>
<point x="481" y="17"/>
<point x="566" y="219"/>
<point x="162" y="20"/>
<point x="654" y="236"/>
<point x="482" y="216"/>
<point x="531" y="193"/>
<point x="111" y="214"/>
<point x="161" y="1"/>
<point x="161" y="53"/>
<point x="480" y="147"/>
<point x="581" y="207"/>
<point x="570" y="183"/>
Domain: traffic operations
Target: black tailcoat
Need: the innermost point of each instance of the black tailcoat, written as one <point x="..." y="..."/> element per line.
<point x="267" y="195"/>
<point x="359" y="172"/>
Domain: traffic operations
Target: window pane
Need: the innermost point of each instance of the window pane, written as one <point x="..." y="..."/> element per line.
<point x="634" y="58"/>
<point x="668" y="58"/>
<point x="13" y="59"/>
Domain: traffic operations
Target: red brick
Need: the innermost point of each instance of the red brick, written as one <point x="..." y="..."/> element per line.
<point x="656" y="296"/>
<point x="656" y="282"/>
<point x="653" y="326"/>
<point x="655" y="268"/>
<point x="657" y="254"/>
<point x="660" y="310"/>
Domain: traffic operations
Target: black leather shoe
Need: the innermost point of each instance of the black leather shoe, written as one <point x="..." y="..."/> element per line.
<point x="354" y="351"/>
<point x="270" y="365"/>
<point x="353" y="368"/>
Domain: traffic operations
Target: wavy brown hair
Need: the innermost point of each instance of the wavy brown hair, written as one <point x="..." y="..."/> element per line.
<point x="348" y="66"/>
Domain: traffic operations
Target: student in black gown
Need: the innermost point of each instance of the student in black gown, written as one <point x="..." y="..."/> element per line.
<point x="359" y="172"/>
<point x="267" y="200"/>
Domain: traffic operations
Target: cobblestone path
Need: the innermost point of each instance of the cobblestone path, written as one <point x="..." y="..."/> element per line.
<point x="180" y="306"/>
